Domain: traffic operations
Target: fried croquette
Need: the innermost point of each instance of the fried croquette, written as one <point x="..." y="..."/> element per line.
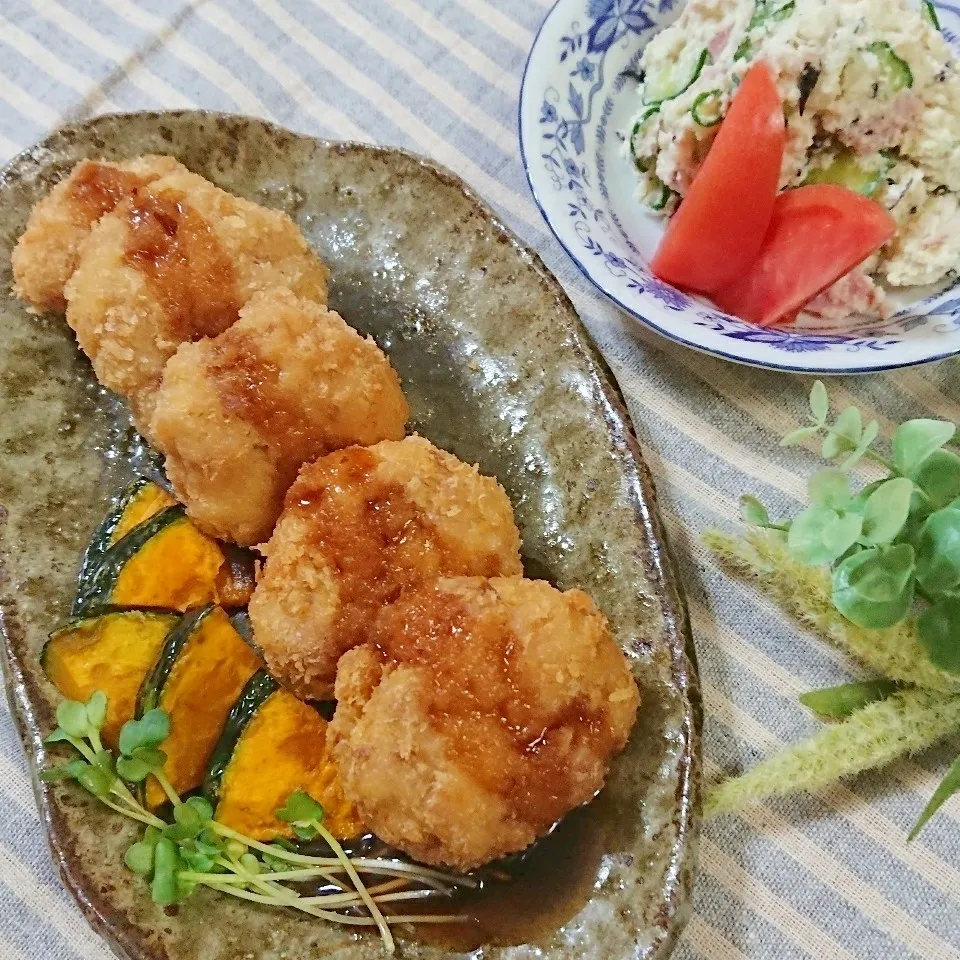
<point x="238" y="415"/>
<point x="481" y="712"/>
<point x="358" y="527"/>
<point x="49" y="249"/>
<point x="172" y="264"/>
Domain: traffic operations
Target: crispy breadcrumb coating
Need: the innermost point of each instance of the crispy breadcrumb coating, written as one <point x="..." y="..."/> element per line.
<point x="481" y="712"/>
<point x="172" y="264"/>
<point x="237" y="415"/>
<point x="358" y="527"/>
<point x="48" y="251"/>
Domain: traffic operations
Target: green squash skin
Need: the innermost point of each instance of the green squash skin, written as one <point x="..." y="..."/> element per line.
<point x="153" y="683"/>
<point x="101" y="582"/>
<point x="100" y="541"/>
<point x="258" y="690"/>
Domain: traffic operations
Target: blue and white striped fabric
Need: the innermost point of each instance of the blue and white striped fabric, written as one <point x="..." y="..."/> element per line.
<point x="823" y="877"/>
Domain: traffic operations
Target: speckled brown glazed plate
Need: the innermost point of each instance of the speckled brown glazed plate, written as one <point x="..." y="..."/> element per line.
<point x="499" y="370"/>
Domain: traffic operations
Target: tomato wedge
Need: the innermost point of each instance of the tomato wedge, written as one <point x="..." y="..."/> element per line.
<point x="717" y="231"/>
<point x="817" y="234"/>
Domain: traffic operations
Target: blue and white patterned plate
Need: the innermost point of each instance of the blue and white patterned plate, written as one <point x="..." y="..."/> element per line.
<point x="578" y="94"/>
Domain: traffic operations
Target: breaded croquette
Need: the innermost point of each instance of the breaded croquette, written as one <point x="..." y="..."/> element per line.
<point x="358" y="527"/>
<point x="237" y="415"/>
<point x="480" y="713"/>
<point x="170" y="265"/>
<point x="49" y="249"/>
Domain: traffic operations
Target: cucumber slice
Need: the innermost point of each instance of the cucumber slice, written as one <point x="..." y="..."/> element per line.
<point x="640" y="121"/>
<point x="707" y="109"/>
<point x="660" y="195"/>
<point x="764" y="12"/>
<point x="895" y="71"/>
<point x="929" y="12"/>
<point x="674" y="79"/>
<point x="848" y="171"/>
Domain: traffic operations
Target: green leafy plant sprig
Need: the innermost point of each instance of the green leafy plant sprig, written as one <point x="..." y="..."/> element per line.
<point x="191" y="849"/>
<point x="893" y="548"/>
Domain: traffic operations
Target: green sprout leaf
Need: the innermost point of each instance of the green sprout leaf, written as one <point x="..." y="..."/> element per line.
<point x="819" y="535"/>
<point x="798" y="436"/>
<point x="938" y="551"/>
<point x="949" y="785"/>
<point x="139" y="856"/>
<point x="837" y="703"/>
<point x="197" y="861"/>
<point x="819" y="404"/>
<point x="753" y="511"/>
<point x="303" y="813"/>
<point x="250" y="863"/>
<point x="95" y="780"/>
<point x="143" y="761"/>
<point x="939" y="630"/>
<point x="939" y="477"/>
<point x="915" y="440"/>
<point x="96" y="710"/>
<point x="845" y="434"/>
<point x="870" y="432"/>
<point x="166" y="865"/>
<point x="830" y="488"/>
<point x="66" y="771"/>
<point x="72" y="717"/>
<point x="190" y="818"/>
<point x="886" y="510"/>
<point x="875" y="588"/>
<point x="149" y="731"/>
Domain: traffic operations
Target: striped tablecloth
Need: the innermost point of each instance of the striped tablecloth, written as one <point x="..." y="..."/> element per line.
<point x="826" y="876"/>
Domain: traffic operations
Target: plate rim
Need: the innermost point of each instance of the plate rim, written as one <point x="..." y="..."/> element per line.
<point x="660" y="565"/>
<point x="811" y="369"/>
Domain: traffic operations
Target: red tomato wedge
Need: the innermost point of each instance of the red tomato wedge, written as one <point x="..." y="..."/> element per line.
<point x="716" y="233"/>
<point x="817" y="234"/>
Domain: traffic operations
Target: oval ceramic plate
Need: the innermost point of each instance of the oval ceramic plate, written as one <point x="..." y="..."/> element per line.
<point x="499" y="370"/>
<point x="577" y="97"/>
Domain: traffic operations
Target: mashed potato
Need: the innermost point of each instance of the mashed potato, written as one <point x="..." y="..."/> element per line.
<point x="48" y="251"/>
<point x="237" y="415"/>
<point x="174" y="263"/>
<point x="480" y="714"/>
<point x="358" y="527"/>
<point x="871" y="94"/>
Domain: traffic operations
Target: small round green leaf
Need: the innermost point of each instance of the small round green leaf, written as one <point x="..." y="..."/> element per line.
<point x="72" y="717"/>
<point x="95" y="780"/>
<point x="166" y="865"/>
<point x="874" y="588"/>
<point x="886" y="510"/>
<point x="819" y="535"/>
<point x="915" y="440"/>
<point x="97" y="709"/>
<point x="819" y="403"/>
<point x="139" y="858"/>
<point x="753" y="511"/>
<point x="798" y="436"/>
<point x="845" y="434"/>
<point x="149" y="731"/>
<point x="939" y="477"/>
<point x="938" y="551"/>
<point x="67" y="771"/>
<point x="829" y="487"/>
<point x="938" y="628"/>
<point x="300" y="807"/>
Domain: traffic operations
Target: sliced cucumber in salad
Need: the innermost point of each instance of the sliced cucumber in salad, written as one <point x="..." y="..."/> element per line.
<point x="764" y="12"/>
<point x="707" y="109"/>
<point x="929" y="12"/>
<point x="659" y="194"/>
<point x="895" y="71"/>
<point x="673" y="80"/>
<point x="863" y="176"/>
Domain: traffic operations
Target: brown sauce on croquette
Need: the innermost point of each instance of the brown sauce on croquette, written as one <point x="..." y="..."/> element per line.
<point x="179" y="254"/>
<point x="97" y="189"/>
<point x="377" y="550"/>
<point x="506" y="738"/>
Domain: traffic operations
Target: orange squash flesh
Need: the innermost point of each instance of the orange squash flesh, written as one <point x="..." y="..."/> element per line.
<point x="175" y="570"/>
<point x="112" y="653"/>
<point x="146" y="503"/>
<point x="207" y="678"/>
<point x="283" y="749"/>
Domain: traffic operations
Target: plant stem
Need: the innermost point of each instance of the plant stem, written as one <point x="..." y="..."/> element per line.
<point x="878" y="458"/>
<point x="168" y="789"/>
<point x="142" y="816"/>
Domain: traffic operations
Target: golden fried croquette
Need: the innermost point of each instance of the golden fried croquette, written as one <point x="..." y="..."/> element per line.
<point x="359" y="526"/>
<point x="239" y="414"/>
<point x="481" y="712"/>
<point x="172" y="264"/>
<point x="48" y="251"/>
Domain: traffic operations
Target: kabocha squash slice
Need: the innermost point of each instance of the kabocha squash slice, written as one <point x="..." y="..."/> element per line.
<point x="168" y="564"/>
<point x="112" y="652"/>
<point x="273" y="745"/>
<point x="141" y="500"/>
<point x="199" y="674"/>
